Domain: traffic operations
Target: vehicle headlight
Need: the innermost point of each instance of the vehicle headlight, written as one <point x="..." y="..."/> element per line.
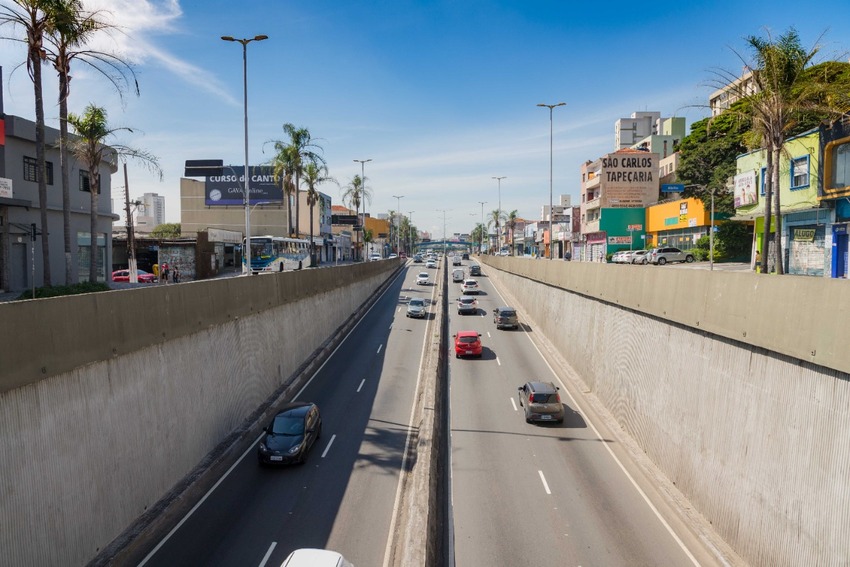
<point x="263" y="447"/>
<point x="295" y="449"/>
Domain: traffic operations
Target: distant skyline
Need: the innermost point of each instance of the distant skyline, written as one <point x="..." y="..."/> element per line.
<point x="441" y="95"/>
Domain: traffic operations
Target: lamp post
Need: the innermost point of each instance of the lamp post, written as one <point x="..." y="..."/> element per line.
<point x="363" y="163"/>
<point x="398" y="199"/>
<point x="499" y="217"/>
<point x="410" y="222"/>
<point x="551" y="107"/>
<point x="481" y="233"/>
<point x="246" y="185"/>
<point x="444" y="228"/>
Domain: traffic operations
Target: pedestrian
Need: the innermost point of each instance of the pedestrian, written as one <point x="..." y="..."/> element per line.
<point x="163" y="270"/>
<point x="175" y="275"/>
<point x="757" y="267"/>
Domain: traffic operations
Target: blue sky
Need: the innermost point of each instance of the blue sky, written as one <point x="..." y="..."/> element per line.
<point x="440" y="94"/>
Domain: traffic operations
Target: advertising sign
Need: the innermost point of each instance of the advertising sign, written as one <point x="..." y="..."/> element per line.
<point x="5" y="188"/>
<point x="672" y="187"/>
<point x="745" y="189"/>
<point x="227" y="188"/>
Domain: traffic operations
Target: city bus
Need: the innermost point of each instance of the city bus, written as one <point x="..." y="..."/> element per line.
<point x="277" y="254"/>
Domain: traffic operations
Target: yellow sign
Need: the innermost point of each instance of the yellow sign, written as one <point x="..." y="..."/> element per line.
<point x="804" y="234"/>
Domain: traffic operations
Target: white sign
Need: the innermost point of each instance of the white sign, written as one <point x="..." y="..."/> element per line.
<point x="5" y="188"/>
<point x="745" y="189"/>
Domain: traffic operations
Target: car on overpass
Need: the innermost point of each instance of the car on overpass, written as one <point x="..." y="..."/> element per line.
<point x="290" y="435"/>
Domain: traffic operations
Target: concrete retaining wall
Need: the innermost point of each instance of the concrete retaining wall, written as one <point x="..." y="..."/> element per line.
<point x="734" y="384"/>
<point x="107" y="400"/>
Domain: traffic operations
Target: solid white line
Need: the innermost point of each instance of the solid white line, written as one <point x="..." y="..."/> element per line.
<point x="497" y="361"/>
<point x="513" y="403"/>
<point x="363" y="381"/>
<point x="257" y="440"/>
<point x="614" y="456"/>
<point x="268" y="554"/>
<point x="545" y="484"/>
<point x="328" y="448"/>
<point x="379" y="349"/>
<point x="488" y="335"/>
<point x="388" y="547"/>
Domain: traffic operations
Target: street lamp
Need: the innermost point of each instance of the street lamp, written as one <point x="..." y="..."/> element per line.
<point x="444" y="228"/>
<point x="246" y="183"/>
<point x="410" y="222"/>
<point x="551" y="107"/>
<point x="499" y="216"/>
<point x="398" y="199"/>
<point x="362" y="163"/>
<point x="481" y="232"/>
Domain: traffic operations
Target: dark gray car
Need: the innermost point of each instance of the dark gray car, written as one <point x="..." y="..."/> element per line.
<point x="290" y="435"/>
<point x="505" y="318"/>
<point x="541" y="402"/>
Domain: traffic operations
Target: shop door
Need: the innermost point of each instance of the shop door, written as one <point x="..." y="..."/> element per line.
<point x="19" y="271"/>
<point x="841" y="267"/>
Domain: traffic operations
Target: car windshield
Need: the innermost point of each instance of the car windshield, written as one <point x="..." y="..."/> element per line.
<point x="287" y="425"/>
<point x="506" y="313"/>
<point x="423" y="274"/>
<point x="544" y="398"/>
<point x="416" y="303"/>
<point x="467" y="300"/>
<point x="468" y="340"/>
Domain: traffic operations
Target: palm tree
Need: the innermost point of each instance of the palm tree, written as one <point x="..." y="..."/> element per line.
<point x="301" y="150"/>
<point x="33" y="16"/>
<point x="511" y="223"/>
<point x="355" y="194"/>
<point x="91" y="150"/>
<point x="282" y="169"/>
<point x="496" y="218"/>
<point x="785" y="93"/>
<point x="478" y="234"/>
<point x="70" y="29"/>
<point x="314" y="175"/>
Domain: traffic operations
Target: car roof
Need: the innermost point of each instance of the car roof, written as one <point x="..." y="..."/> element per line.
<point x="467" y="333"/>
<point x="416" y="300"/>
<point x="505" y="308"/>
<point x="295" y="408"/>
<point x="542" y="387"/>
<point x="313" y="557"/>
<point x="466" y="298"/>
<point x="470" y="281"/>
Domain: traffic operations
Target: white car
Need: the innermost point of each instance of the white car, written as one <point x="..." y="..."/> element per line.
<point x="315" y="558"/>
<point x="374" y="257"/>
<point x="422" y="278"/>
<point x="431" y="264"/>
<point x="469" y="287"/>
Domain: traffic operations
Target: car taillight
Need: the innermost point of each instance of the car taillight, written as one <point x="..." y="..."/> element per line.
<point x="558" y="398"/>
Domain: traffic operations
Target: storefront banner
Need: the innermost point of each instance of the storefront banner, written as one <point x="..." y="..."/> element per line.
<point x="228" y="189"/>
<point x="745" y="189"/>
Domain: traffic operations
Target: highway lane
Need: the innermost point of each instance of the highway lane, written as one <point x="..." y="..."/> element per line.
<point x="524" y="494"/>
<point x="343" y="498"/>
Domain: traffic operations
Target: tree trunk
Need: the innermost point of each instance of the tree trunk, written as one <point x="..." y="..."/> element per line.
<point x="94" y="184"/>
<point x="35" y="58"/>
<point x="777" y="237"/>
<point x="768" y="202"/>
<point x="312" y="252"/>
<point x="64" y="166"/>
<point x="297" y="204"/>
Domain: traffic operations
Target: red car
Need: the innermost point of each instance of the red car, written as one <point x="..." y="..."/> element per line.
<point x="468" y="343"/>
<point x="124" y="276"/>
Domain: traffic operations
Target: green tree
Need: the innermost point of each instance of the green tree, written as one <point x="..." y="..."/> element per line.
<point x="478" y="234"/>
<point x="70" y="28"/>
<point x="355" y="194"/>
<point x="511" y="222"/>
<point x="283" y="170"/>
<point x="496" y="219"/>
<point x="314" y="175"/>
<point x="90" y="149"/>
<point x="297" y="151"/>
<point x="32" y="17"/>
<point x="166" y="230"/>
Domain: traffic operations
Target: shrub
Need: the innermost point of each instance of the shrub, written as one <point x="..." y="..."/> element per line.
<point x="58" y="290"/>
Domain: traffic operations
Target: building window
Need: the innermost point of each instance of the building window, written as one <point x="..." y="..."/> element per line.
<point x="85" y="182"/>
<point x="800" y="172"/>
<point x="840" y="174"/>
<point x="31" y="170"/>
<point x="763" y="180"/>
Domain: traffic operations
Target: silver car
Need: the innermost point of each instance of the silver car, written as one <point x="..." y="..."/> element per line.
<point x="667" y="254"/>
<point x="541" y="402"/>
<point x="416" y="308"/>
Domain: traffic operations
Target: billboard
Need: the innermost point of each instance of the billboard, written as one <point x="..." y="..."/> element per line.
<point x="227" y="188"/>
<point x="745" y="189"/>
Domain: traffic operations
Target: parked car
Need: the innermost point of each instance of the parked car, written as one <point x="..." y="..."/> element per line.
<point x="639" y="257"/>
<point x="467" y="305"/>
<point x="392" y="256"/>
<point x="469" y="287"/>
<point x="374" y="257"/>
<point x="124" y="276"/>
<point x="541" y="402"/>
<point x="422" y="278"/>
<point x="474" y="270"/>
<point x="290" y="435"/>
<point x="619" y="257"/>
<point x="505" y="317"/>
<point x="667" y="254"/>
<point x="468" y="343"/>
<point x="307" y="557"/>
<point x="416" y="308"/>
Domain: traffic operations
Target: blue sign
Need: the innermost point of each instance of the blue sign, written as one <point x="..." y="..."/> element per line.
<point x="672" y="187"/>
<point x="228" y="188"/>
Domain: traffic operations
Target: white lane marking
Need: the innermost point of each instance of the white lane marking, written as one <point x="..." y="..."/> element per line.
<point x="513" y="403"/>
<point x="257" y="440"/>
<point x="640" y="491"/>
<point x="488" y="335"/>
<point x="497" y="361"/>
<point x="363" y="381"/>
<point x="379" y="349"/>
<point x="328" y="448"/>
<point x="268" y="554"/>
<point x="545" y="484"/>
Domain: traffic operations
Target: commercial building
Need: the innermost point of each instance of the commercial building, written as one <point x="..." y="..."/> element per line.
<point x="150" y="213"/>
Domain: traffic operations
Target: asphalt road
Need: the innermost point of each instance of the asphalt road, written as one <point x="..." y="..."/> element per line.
<point x="343" y="498"/>
<point x="550" y="494"/>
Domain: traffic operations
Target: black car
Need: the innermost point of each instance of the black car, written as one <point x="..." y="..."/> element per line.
<point x="465" y="256"/>
<point x="290" y="435"/>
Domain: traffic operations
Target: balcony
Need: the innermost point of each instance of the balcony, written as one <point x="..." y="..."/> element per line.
<point x="592" y="183"/>
<point x="590" y="205"/>
<point x="590" y="226"/>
